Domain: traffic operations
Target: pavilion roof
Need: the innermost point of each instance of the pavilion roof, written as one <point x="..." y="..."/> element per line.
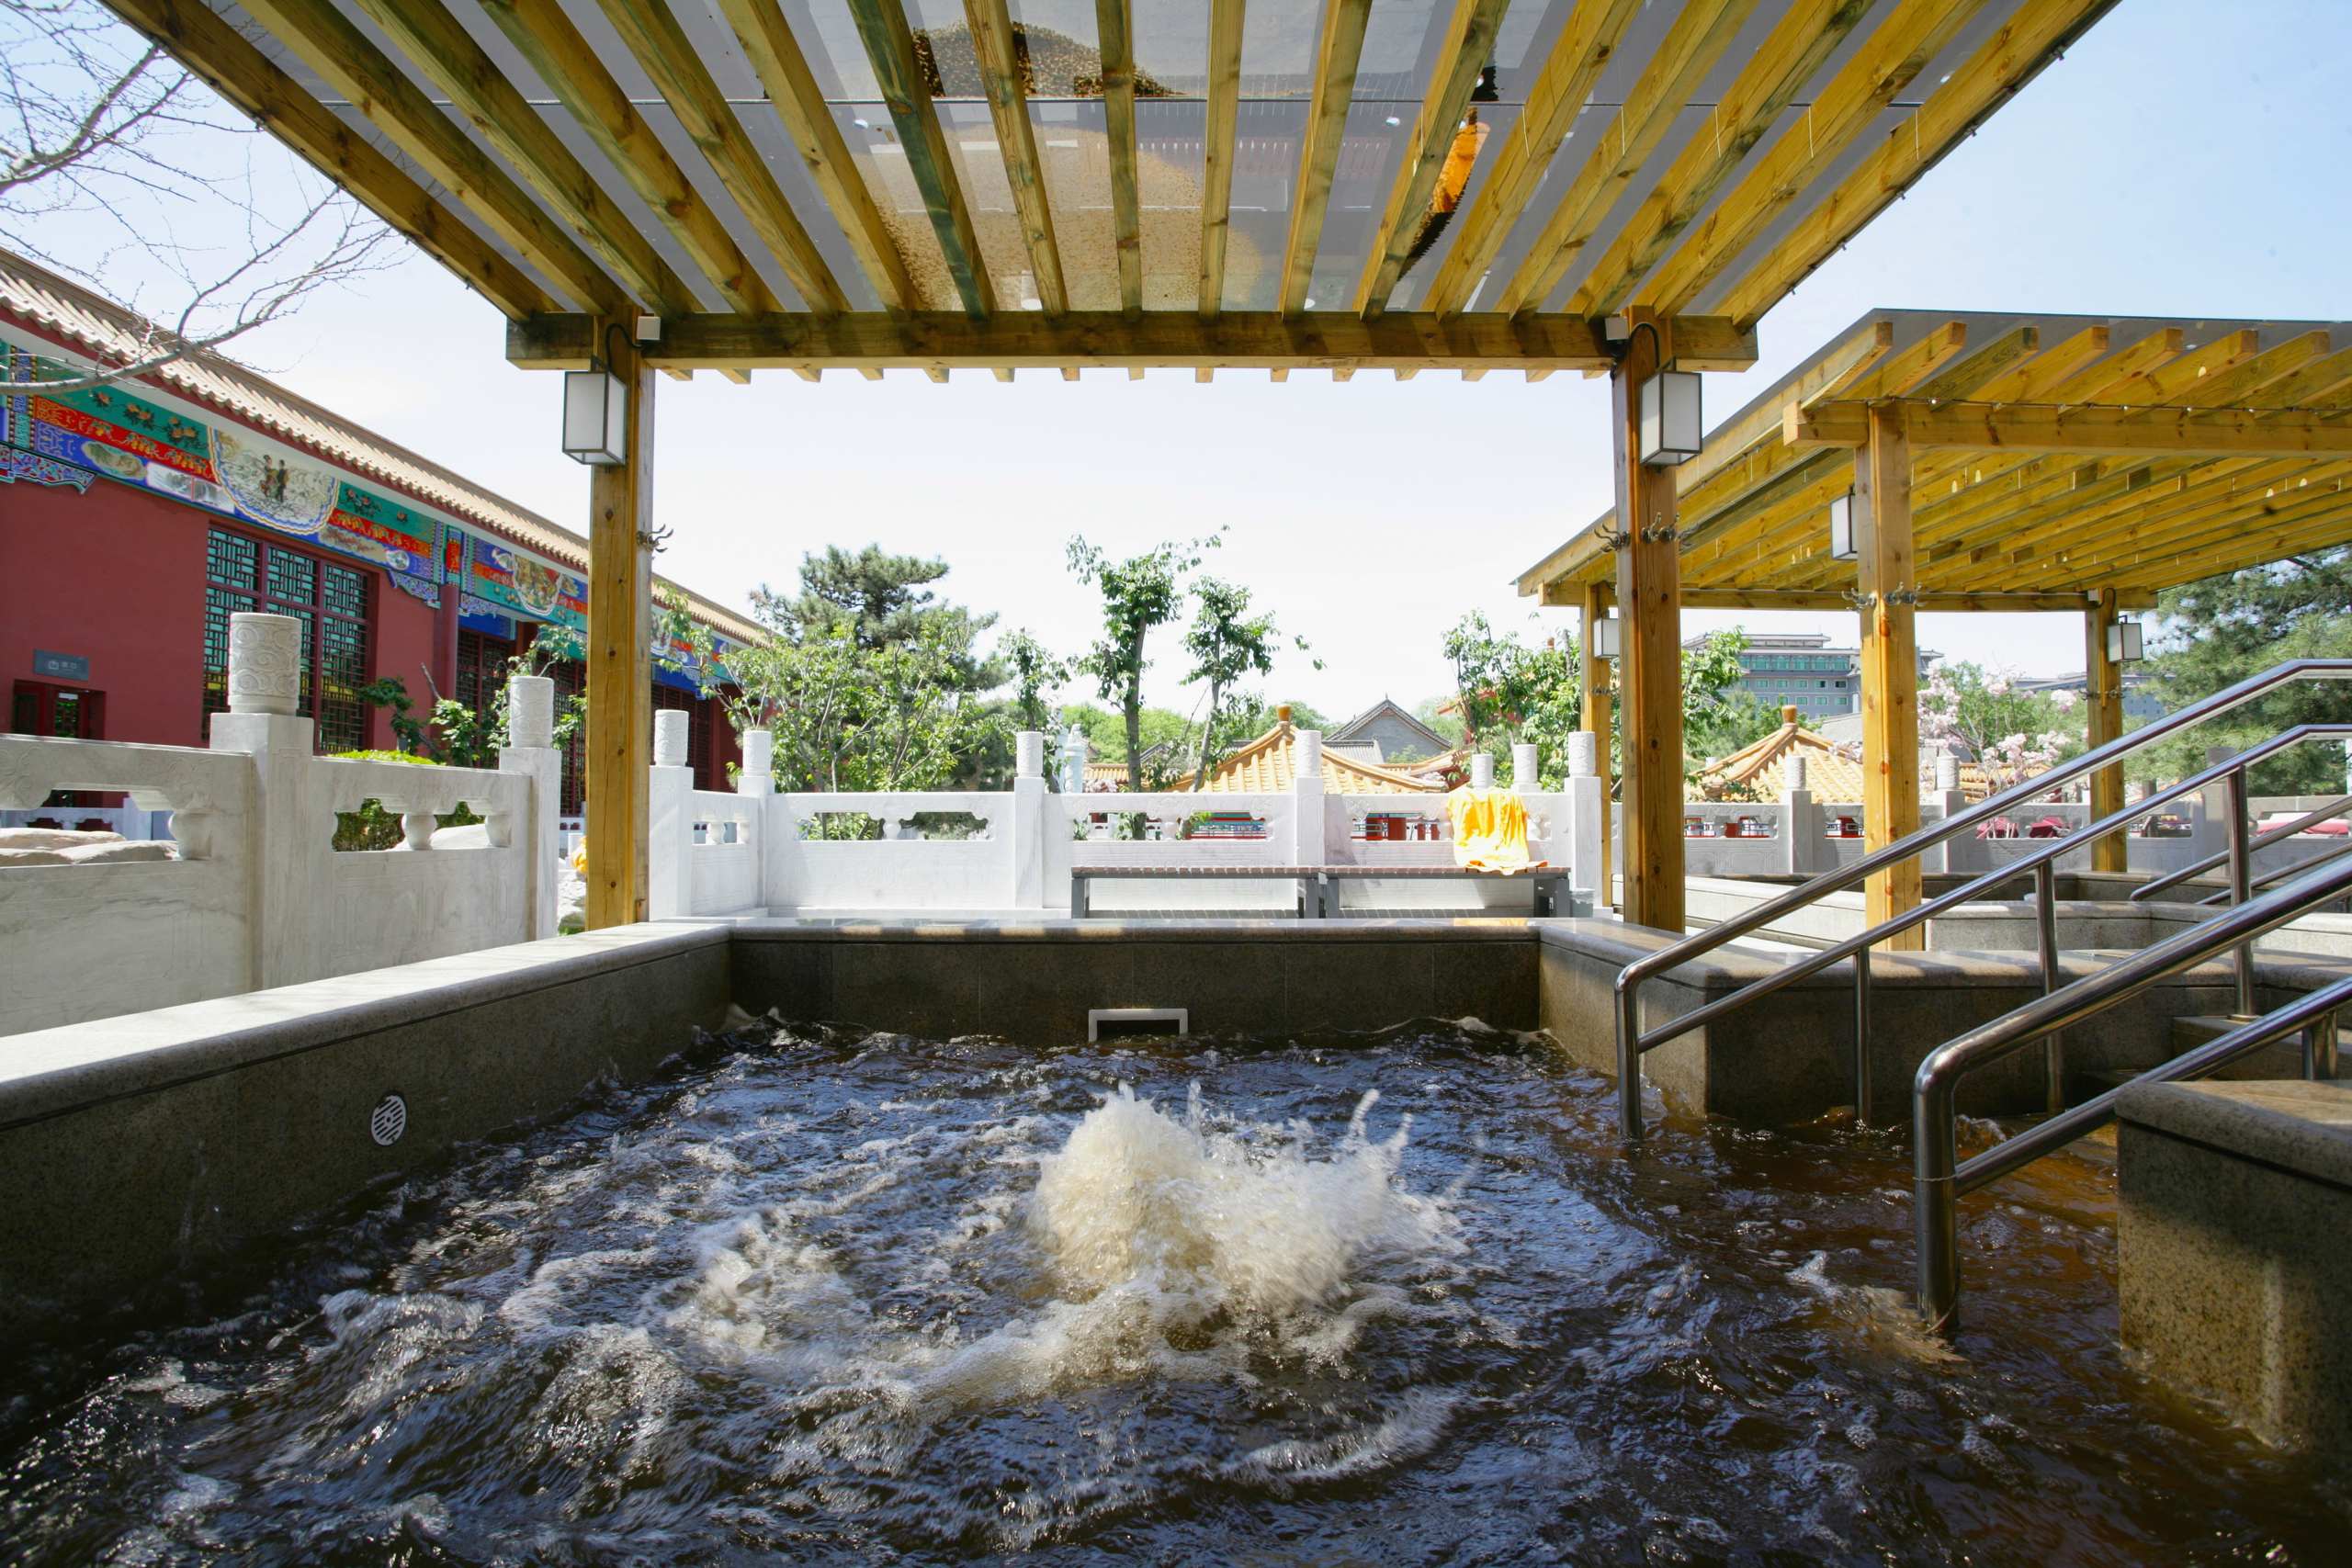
<point x="929" y="184"/>
<point x="2050" y="456"/>
<point x="1833" y="768"/>
<point x="1269" y="764"/>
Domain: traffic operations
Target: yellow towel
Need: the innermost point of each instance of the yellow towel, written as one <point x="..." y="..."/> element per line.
<point x="1489" y="830"/>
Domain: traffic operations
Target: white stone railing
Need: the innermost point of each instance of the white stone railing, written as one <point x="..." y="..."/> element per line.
<point x="259" y="896"/>
<point x="1022" y="843"/>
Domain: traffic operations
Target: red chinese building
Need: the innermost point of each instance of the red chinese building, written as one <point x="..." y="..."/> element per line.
<point x="136" y="517"/>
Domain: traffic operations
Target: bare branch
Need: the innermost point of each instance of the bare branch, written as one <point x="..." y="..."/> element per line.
<point x="121" y="170"/>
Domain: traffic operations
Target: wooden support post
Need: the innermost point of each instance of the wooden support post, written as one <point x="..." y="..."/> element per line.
<point x="2103" y="690"/>
<point x="1890" y="662"/>
<point x="1649" y="582"/>
<point x="620" y="671"/>
<point x="1597" y="718"/>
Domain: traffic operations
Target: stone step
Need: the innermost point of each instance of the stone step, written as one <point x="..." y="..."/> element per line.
<point x="2280" y="1059"/>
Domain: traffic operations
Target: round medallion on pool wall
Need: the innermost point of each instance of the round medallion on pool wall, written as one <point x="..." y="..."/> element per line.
<point x="389" y="1120"/>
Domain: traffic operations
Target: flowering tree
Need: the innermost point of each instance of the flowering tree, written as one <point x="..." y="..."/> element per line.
<point x="2012" y="734"/>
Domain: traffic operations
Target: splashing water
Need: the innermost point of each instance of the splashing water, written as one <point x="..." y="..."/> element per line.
<point x="837" y="1297"/>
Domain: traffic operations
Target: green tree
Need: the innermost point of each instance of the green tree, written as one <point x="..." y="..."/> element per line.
<point x="880" y="599"/>
<point x="1507" y="691"/>
<point x="1143" y="592"/>
<point x="2224" y="629"/>
<point x="1228" y="645"/>
<point x="846" y="716"/>
<point x="1718" y="715"/>
<point x="1036" y="671"/>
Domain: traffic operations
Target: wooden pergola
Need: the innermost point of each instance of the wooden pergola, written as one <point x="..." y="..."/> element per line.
<point x="1995" y="462"/>
<point x="1603" y="185"/>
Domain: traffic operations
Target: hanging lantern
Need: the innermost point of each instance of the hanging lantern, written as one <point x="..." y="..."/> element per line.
<point x="596" y="417"/>
<point x="1672" y="427"/>
<point x="1608" y="637"/>
<point x="1841" y="528"/>
<point x="2123" y="641"/>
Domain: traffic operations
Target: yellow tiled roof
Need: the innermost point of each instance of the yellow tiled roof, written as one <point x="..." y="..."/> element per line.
<point x="113" y="334"/>
<point x="1832" y="771"/>
<point x="1269" y="764"/>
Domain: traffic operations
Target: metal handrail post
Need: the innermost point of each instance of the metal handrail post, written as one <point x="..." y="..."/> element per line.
<point x="1935" y="1200"/>
<point x="1862" y="1038"/>
<point x="2280" y="873"/>
<point x="1629" y="1064"/>
<point x="2053" y="1045"/>
<point x="2240" y="881"/>
<point x="2319" y="1050"/>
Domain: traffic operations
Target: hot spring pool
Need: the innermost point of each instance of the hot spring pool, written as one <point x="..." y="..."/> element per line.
<point x="828" y="1296"/>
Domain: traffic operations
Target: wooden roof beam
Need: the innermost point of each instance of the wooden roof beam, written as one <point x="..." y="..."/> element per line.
<point x="2034" y="34"/>
<point x="1030" y="339"/>
<point x="1888" y="61"/>
<point x="665" y="54"/>
<point x="1217" y="152"/>
<point x="326" y="41"/>
<point x="1776" y="72"/>
<point x="1114" y="45"/>
<point x="439" y="46"/>
<point x="553" y="48"/>
<point x="799" y="102"/>
<point x="1340" y="47"/>
<point x="990" y="22"/>
<point x="1586" y="45"/>
<point x="220" y="56"/>
<point x="1462" y="58"/>
<point x="891" y="48"/>
<point x="1820" y="599"/>
<point x="1701" y="32"/>
<point x="2042" y="427"/>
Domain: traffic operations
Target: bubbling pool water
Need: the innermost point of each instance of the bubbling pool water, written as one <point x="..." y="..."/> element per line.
<point x="840" y="1297"/>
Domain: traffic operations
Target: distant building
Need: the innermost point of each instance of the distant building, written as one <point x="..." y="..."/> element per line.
<point x="1385" y="733"/>
<point x="1833" y="769"/>
<point x="1800" y="670"/>
<point x="1267" y="764"/>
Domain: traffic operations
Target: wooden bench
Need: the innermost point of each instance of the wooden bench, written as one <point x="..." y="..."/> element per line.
<point x="1318" y="886"/>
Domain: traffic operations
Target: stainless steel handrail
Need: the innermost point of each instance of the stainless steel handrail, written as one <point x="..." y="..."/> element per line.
<point x="2149" y="889"/>
<point x="2280" y="873"/>
<point x="2039" y="862"/>
<point x="1937" y="1179"/>
<point x="1631" y="1042"/>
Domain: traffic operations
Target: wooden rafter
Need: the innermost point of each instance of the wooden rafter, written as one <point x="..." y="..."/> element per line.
<point x="439" y="45"/>
<point x="1469" y="41"/>
<point x="1779" y="68"/>
<point x="329" y="44"/>
<point x="2049" y="427"/>
<point x="890" y="48"/>
<point x="1340" y="47"/>
<point x="1873" y="77"/>
<point x="547" y="41"/>
<point x="663" y="53"/>
<point x="992" y="46"/>
<point x="1115" y="43"/>
<point x="1217" y="150"/>
<point x="1027" y="339"/>
<point x="1584" y="46"/>
<point x="241" y="73"/>
<point x="2033" y="35"/>
<point x="799" y="102"/>
<point x="1622" y="145"/>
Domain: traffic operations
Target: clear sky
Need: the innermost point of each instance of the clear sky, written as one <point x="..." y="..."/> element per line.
<point x="2190" y="157"/>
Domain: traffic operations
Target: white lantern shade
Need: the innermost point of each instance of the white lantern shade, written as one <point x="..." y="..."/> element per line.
<point x="1841" y="528"/>
<point x="1606" y="637"/>
<point x="2123" y="641"/>
<point x="595" y="418"/>
<point x="1672" y="427"/>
